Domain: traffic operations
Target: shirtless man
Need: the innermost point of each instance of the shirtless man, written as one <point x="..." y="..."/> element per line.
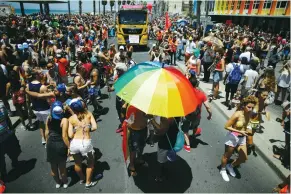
<point x="137" y="126"/>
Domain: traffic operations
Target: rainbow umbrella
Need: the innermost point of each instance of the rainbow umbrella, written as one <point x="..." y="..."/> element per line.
<point x="157" y="90"/>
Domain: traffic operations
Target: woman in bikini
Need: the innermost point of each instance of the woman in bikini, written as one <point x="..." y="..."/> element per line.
<point x="236" y="136"/>
<point x="80" y="126"/>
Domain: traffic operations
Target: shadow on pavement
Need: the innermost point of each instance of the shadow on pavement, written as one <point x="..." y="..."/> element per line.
<point x="99" y="168"/>
<point x="194" y="142"/>
<point x="104" y="111"/>
<point x="22" y="168"/>
<point x="283" y="156"/>
<point x="275" y="140"/>
<point x="178" y="177"/>
<point x="104" y="96"/>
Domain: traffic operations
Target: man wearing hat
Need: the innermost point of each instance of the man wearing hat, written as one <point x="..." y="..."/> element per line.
<point x="120" y="56"/>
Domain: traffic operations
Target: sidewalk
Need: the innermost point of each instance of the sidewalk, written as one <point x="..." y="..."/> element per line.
<point x="265" y="142"/>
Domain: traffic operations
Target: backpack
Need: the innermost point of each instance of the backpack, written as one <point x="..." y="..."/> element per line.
<point x="235" y="75"/>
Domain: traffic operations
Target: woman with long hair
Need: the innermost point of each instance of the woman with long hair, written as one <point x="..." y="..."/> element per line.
<point x="80" y="126"/>
<point x="56" y="134"/>
<point x="236" y="136"/>
<point x="267" y="80"/>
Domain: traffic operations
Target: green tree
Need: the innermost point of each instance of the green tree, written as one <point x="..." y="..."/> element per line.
<point x="128" y="2"/>
<point x="80" y="7"/>
<point x="104" y="3"/>
<point x="94" y="7"/>
<point x="112" y="3"/>
<point x="123" y="2"/>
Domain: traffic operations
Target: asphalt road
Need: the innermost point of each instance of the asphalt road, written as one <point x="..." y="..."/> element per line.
<point x="193" y="172"/>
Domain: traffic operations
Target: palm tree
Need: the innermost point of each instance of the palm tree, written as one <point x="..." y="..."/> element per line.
<point x="112" y="3"/>
<point x="104" y="3"/>
<point x="128" y="2"/>
<point x="94" y="7"/>
<point x="123" y="2"/>
<point x="80" y="7"/>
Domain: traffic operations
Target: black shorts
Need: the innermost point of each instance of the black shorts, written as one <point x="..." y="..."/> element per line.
<point x="231" y="88"/>
<point x="137" y="140"/>
<point x="188" y="125"/>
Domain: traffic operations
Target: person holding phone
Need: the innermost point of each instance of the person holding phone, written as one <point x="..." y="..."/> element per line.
<point x="236" y="137"/>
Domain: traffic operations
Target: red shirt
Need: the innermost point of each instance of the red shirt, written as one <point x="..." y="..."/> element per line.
<point x="62" y="65"/>
<point x="88" y="67"/>
<point x="201" y="98"/>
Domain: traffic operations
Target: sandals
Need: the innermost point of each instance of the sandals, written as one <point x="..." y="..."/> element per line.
<point x="132" y="172"/>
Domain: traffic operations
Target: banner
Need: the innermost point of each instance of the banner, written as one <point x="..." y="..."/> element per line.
<point x="168" y="22"/>
<point x="195" y="7"/>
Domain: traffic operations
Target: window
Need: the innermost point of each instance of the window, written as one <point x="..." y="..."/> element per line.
<point x="267" y="4"/>
<point x="247" y="4"/>
<point x="256" y="4"/>
<point x="283" y="4"/>
<point x="232" y="5"/>
<point x="238" y="4"/>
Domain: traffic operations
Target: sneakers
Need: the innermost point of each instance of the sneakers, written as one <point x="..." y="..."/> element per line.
<point x="92" y="184"/>
<point x="22" y="127"/>
<point x="229" y="168"/>
<point x="43" y="141"/>
<point x="65" y="186"/>
<point x="198" y="131"/>
<point x="224" y="175"/>
<point x="119" y="130"/>
<point x="187" y="148"/>
<point x="82" y="182"/>
<point x="58" y="186"/>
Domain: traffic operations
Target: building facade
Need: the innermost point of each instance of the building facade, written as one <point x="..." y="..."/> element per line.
<point x="270" y="15"/>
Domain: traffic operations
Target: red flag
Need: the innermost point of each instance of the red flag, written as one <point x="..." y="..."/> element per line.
<point x="168" y="22"/>
<point x="130" y="110"/>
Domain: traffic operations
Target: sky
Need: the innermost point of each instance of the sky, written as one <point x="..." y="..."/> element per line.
<point x="87" y="5"/>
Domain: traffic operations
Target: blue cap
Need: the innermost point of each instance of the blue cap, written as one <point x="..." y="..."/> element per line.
<point x="57" y="110"/>
<point x="61" y="88"/>
<point x="25" y="45"/>
<point x="76" y="105"/>
<point x="68" y="102"/>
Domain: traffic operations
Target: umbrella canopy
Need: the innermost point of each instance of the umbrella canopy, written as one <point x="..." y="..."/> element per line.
<point x="213" y="40"/>
<point x="182" y="20"/>
<point x="161" y="91"/>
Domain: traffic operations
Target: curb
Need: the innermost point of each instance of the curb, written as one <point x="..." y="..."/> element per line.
<point x="264" y="156"/>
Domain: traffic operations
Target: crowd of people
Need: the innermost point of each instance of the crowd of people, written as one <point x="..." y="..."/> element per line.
<point x="54" y="66"/>
<point x="245" y="61"/>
